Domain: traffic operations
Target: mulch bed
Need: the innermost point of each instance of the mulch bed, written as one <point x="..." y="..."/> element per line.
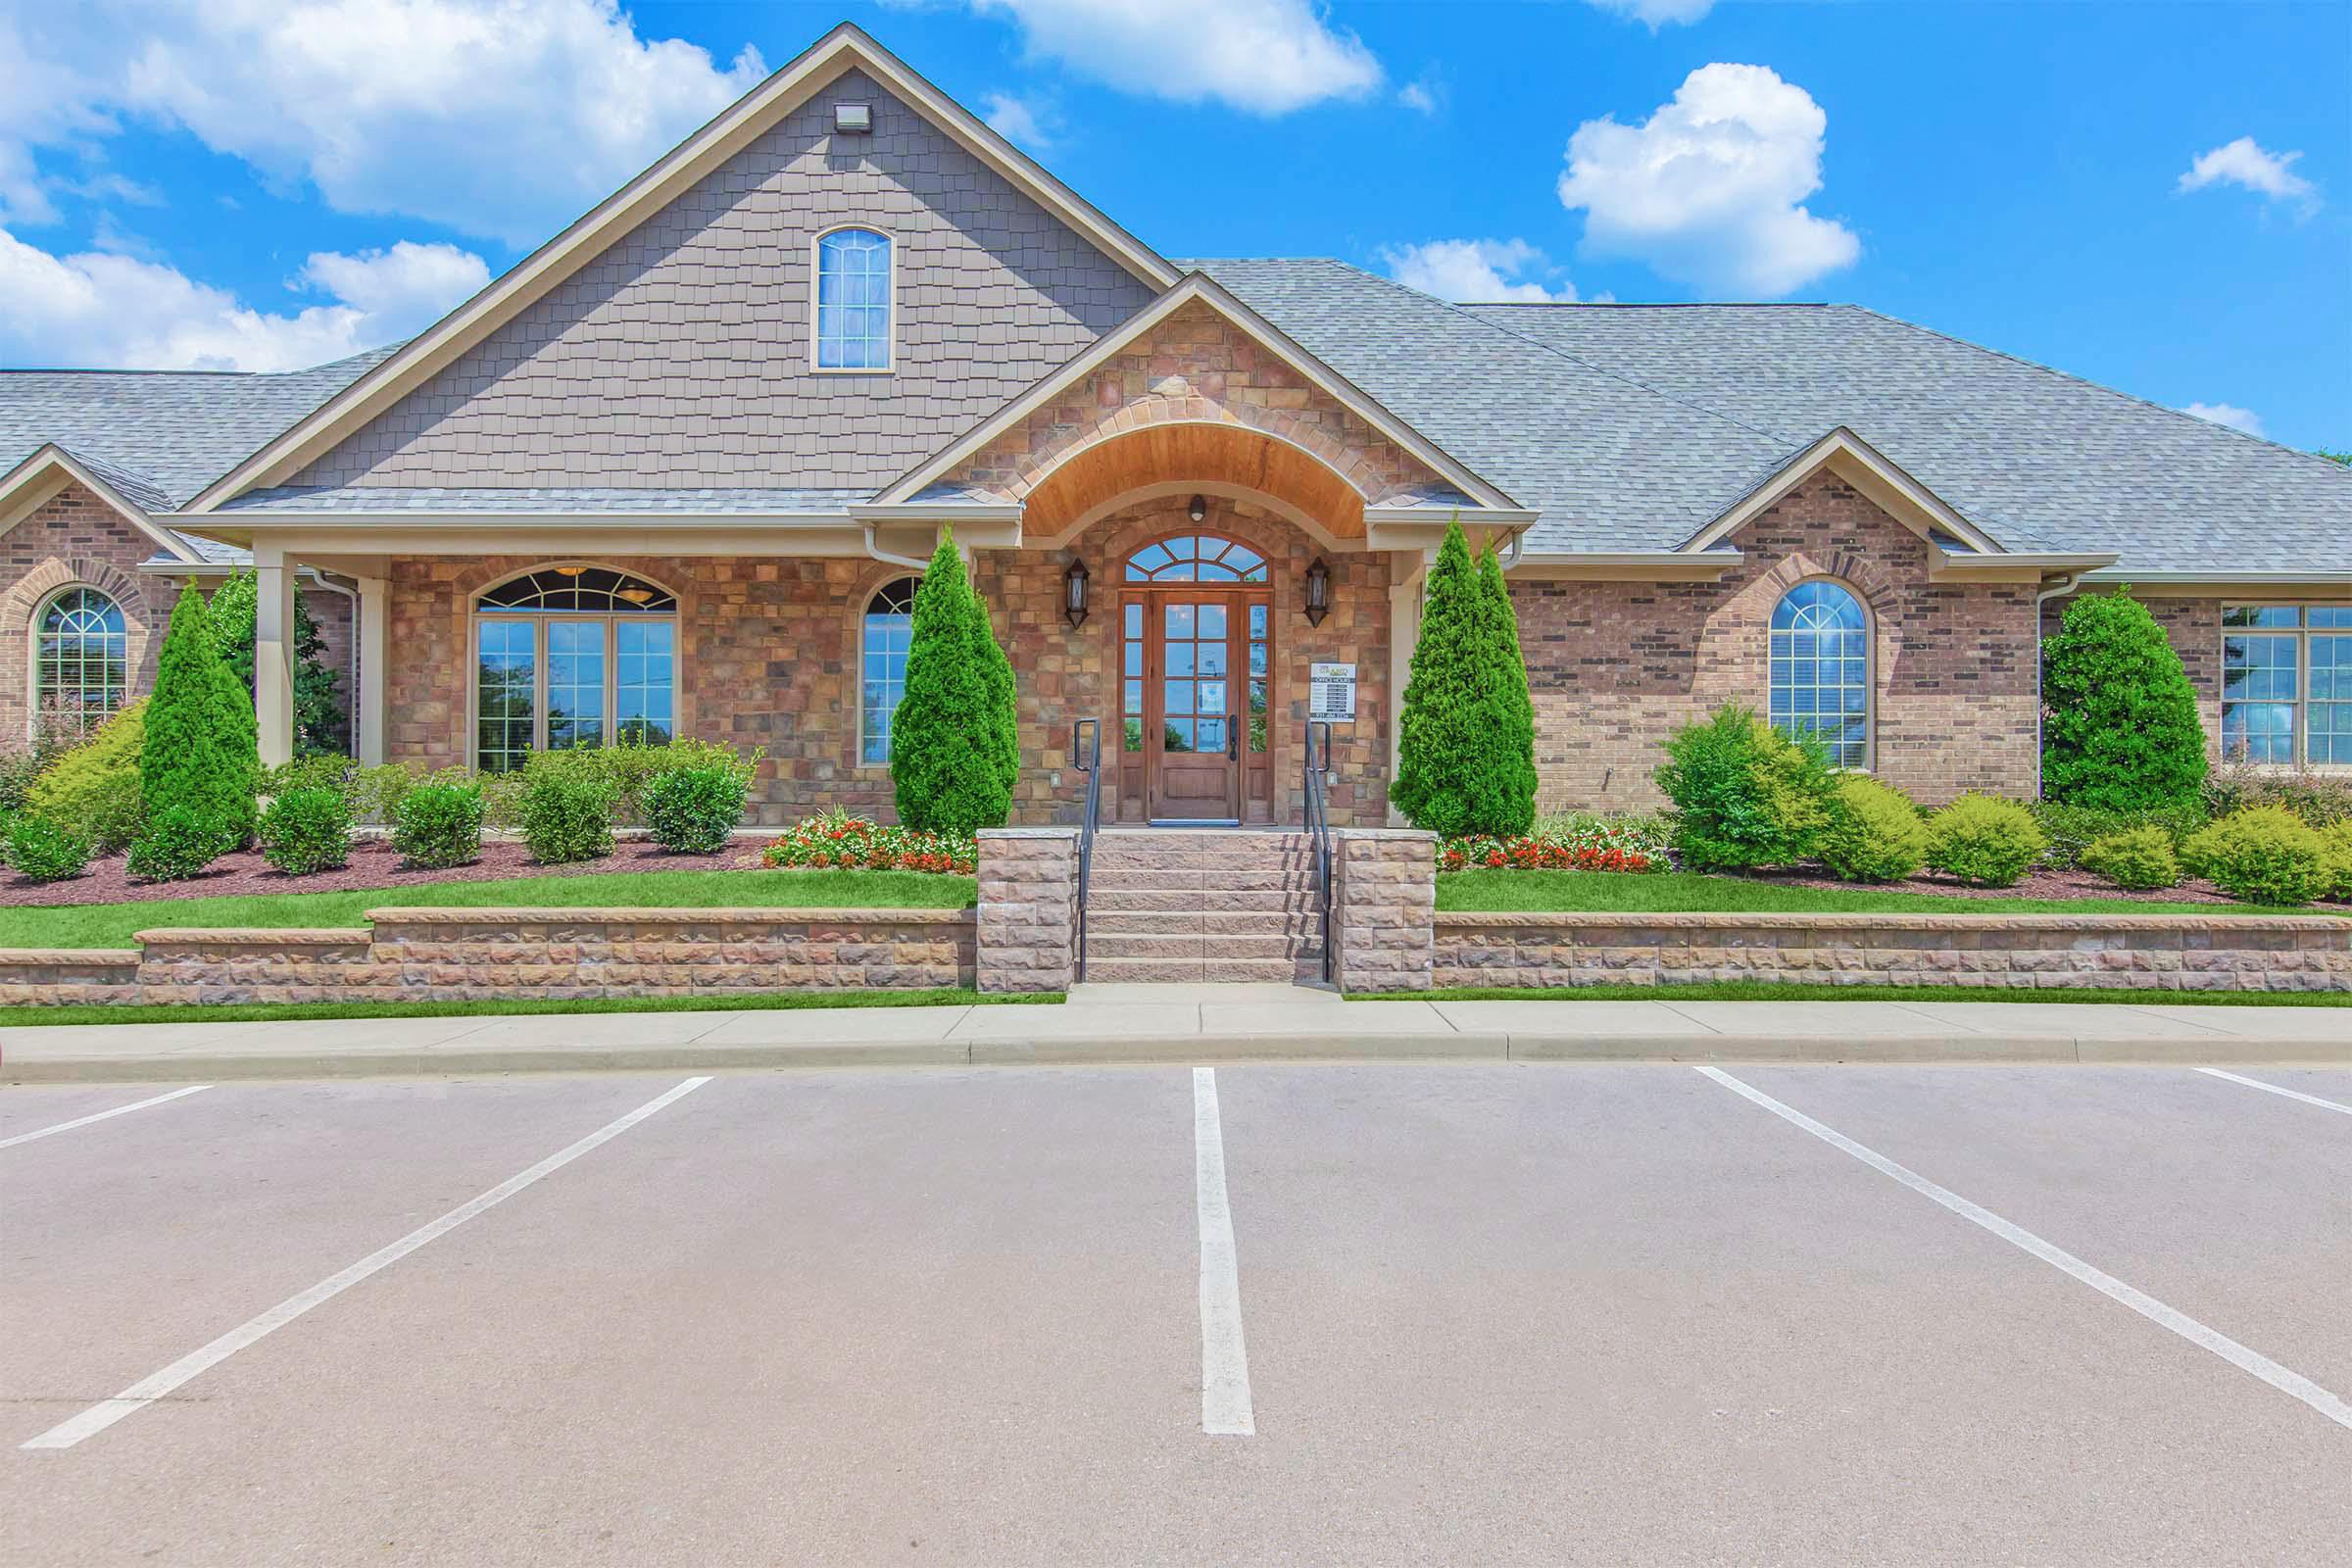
<point x="2042" y="884"/>
<point x="373" y="865"/>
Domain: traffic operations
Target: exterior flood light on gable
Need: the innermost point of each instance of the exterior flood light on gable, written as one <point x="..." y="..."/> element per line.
<point x="1073" y="595"/>
<point x="852" y="120"/>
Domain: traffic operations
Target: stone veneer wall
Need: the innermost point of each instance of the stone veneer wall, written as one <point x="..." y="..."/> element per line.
<point x="1385" y="902"/>
<point x="2153" y="953"/>
<point x="464" y="955"/>
<point x="1028" y="924"/>
<point x="1615" y="666"/>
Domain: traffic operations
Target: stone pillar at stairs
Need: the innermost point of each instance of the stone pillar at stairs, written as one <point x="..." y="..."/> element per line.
<point x="1385" y="914"/>
<point x="1028" y="908"/>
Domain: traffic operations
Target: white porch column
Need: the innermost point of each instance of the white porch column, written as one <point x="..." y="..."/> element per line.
<point x="1406" y="593"/>
<point x="274" y="654"/>
<point x="374" y="637"/>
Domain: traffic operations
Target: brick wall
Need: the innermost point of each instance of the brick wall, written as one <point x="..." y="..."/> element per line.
<point x="2049" y="952"/>
<point x="74" y="539"/>
<point x="1615" y="666"/>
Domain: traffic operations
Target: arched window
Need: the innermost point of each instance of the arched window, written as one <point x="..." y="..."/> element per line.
<point x="853" y="300"/>
<point x="81" y="660"/>
<point x="1196" y="558"/>
<point x="573" y="656"/>
<point x="882" y="659"/>
<point x="1821" y="669"/>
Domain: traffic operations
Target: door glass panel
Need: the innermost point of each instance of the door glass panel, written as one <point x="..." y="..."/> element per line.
<point x="1177" y="736"/>
<point x="1135" y="620"/>
<point x="1212" y="621"/>
<point x="1180" y="622"/>
<point x="1211" y="695"/>
<point x="1259" y="666"/>
<point x="1213" y="659"/>
<point x="1213" y="734"/>
<point x="1180" y="659"/>
<point x="1178" y="698"/>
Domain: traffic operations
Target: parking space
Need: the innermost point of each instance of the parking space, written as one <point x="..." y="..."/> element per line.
<point x="1491" y="1312"/>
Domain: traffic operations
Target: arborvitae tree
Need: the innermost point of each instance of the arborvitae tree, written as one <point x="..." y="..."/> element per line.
<point x="198" y="750"/>
<point x="1004" y="696"/>
<point x="1506" y="801"/>
<point x="2120" y="729"/>
<point x="947" y="745"/>
<point x="320" y="723"/>
<point x="1459" y="754"/>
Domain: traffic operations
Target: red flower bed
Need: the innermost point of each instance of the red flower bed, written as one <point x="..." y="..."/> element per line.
<point x="838" y="840"/>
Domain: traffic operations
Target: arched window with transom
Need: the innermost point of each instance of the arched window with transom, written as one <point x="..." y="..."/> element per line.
<point x="1196" y="558"/>
<point x="882" y="636"/>
<point x="80" y="661"/>
<point x="1821" y="669"/>
<point x="853" y="300"/>
<point x="571" y="656"/>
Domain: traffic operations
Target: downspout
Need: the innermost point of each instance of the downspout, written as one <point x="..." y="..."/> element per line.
<point x="875" y="552"/>
<point x="2063" y="584"/>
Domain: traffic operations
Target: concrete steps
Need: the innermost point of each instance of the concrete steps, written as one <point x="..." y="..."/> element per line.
<point x="1172" y="906"/>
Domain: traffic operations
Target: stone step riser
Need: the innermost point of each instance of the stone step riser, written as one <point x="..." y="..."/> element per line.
<point x="1198" y="949"/>
<point x="1269" y="901"/>
<point x="1186" y="971"/>
<point x="1106" y="879"/>
<point x="1203" y="922"/>
<point x="1153" y="860"/>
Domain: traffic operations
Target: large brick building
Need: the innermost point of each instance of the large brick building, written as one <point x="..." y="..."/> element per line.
<point x="673" y="473"/>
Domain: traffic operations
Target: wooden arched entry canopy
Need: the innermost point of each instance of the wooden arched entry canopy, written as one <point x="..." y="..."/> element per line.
<point x="1196" y="661"/>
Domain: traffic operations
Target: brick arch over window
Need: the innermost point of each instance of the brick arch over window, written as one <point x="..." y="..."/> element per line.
<point x="31" y="593"/>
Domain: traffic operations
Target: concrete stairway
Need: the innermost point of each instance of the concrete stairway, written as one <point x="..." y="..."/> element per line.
<point x="1188" y="905"/>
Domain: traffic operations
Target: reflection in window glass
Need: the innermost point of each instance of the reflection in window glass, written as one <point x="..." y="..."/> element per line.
<point x="575" y="684"/>
<point x="1196" y="558"/>
<point x="643" y="681"/>
<point x="506" y="690"/>
<point x="81" y="662"/>
<point x="888" y="627"/>
<point x="852" y="300"/>
<point x="573" y="656"/>
<point x="2259" y="688"/>
<point x="1820" y="676"/>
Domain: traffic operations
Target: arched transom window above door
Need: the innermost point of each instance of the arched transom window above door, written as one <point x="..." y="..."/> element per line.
<point x="571" y="656"/>
<point x="1196" y="558"/>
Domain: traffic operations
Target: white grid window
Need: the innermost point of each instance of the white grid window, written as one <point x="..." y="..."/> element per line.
<point x="852" y="300"/>
<point x="568" y="657"/>
<point x="1821" y="669"/>
<point x="2286" y="684"/>
<point x="882" y="654"/>
<point x="81" y="660"/>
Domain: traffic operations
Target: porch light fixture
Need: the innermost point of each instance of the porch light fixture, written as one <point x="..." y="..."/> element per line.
<point x="1197" y="510"/>
<point x="571" y="572"/>
<point x="1318" y="591"/>
<point x="1073" y="594"/>
<point x="636" y="594"/>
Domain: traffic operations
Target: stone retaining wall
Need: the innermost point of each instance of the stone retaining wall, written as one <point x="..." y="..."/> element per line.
<point x="1028" y="925"/>
<point x="471" y="955"/>
<point x="1385" y="897"/>
<point x="2049" y="952"/>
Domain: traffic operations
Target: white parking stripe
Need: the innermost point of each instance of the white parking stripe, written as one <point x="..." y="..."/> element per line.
<point x="2292" y="1094"/>
<point x="118" y="1110"/>
<point x="98" y="1417"/>
<point x="2188" y="1328"/>
<point x="1225" y="1408"/>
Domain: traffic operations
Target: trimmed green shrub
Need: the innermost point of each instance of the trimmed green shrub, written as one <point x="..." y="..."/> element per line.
<point x="39" y="847"/>
<point x="2263" y="854"/>
<point x="1463" y="766"/>
<point x="566" y="806"/>
<point x="1004" y="696"/>
<point x="177" y="843"/>
<point x="947" y="743"/>
<point x="2335" y="861"/>
<point x="320" y="726"/>
<point x="2140" y="858"/>
<point x="437" y="826"/>
<point x="691" y="810"/>
<point x="92" y="790"/>
<point x="1984" y="841"/>
<point x="2121" y="728"/>
<point x="2320" y="799"/>
<point x="1745" y="795"/>
<point x="197" y="753"/>
<point x="1874" y="833"/>
<point x="306" y="829"/>
<point x="2072" y="829"/>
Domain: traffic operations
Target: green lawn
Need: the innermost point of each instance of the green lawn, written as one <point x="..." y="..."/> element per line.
<point x="1774" y="991"/>
<point x="113" y="925"/>
<point x="297" y="1012"/>
<point x="1686" y="892"/>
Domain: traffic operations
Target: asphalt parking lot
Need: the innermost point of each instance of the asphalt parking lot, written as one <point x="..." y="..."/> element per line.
<point x="1482" y="1313"/>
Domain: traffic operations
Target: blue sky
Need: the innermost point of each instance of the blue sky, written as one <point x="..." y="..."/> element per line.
<point x="2154" y="196"/>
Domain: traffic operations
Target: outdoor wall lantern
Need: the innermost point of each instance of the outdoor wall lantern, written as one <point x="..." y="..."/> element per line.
<point x="1073" y="595"/>
<point x="1199" y="510"/>
<point x="1318" y="591"/>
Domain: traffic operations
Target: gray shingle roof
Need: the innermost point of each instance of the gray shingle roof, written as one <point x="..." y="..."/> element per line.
<point x="543" y="499"/>
<point x="162" y="435"/>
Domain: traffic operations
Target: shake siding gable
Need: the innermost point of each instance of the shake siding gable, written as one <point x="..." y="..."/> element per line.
<point x="681" y="356"/>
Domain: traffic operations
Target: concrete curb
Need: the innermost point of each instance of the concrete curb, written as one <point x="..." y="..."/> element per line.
<point x="459" y="1060"/>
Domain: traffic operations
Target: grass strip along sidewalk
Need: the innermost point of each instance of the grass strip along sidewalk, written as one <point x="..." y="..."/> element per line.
<point x="116" y="925"/>
<point x="308" y="1011"/>
<point x="1508" y="892"/>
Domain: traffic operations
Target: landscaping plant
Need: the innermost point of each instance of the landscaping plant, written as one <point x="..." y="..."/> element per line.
<point x="320" y="726"/>
<point x="1874" y="833"/>
<point x="93" y="792"/>
<point x="174" y="843"/>
<point x="197" y="753"/>
<point x="1465" y="756"/>
<point x="2072" y="829"/>
<point x="1569" y="842"/>
<point x="1745" y="795"/>
<point x="43" y="851"/>
<point x="948" y="740"/>
<point x="308" y="829"/>
<point x="2335" y="861"/>
<point x="838" y="840"/>
<point x="567" y="803"/>
<point x="2140" y="859"/>
<point x="1984" y="841"/>
<point x="1004" y="696"/>
<point x="2263" y="854"/>
<point x="2319" y="799"/>
<point x="691" y="810"/>
<point x="2122" y="729"/>
<point x="439" y="824"/>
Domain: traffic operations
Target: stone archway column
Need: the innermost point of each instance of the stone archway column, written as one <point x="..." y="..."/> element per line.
<point x="273" y="653"/>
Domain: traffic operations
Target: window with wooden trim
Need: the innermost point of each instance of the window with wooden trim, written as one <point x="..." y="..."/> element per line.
<point x="2286" y="684"/>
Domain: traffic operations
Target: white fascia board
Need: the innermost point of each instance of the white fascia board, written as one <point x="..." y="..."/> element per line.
<point x="888" y="511"/>
<point x="1872" y="471"/>
<point x="1628" y="565"/>
<point x="2195" y="578"/>
<point x="48" y="470"/>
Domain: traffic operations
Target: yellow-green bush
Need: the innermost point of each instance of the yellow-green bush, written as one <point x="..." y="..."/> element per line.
<point x="2139" y="857"/>
<point x="1984" y="841"/>
<point x="1874" y="833"/>
<point x="2335" y="861"/>
<point x="92" y="790"/>
<point x="2263" y="854"/>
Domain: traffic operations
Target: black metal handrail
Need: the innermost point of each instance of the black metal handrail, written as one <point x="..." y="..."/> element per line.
<point x="1086" y="750"/>
<point x="1319" y="829"/>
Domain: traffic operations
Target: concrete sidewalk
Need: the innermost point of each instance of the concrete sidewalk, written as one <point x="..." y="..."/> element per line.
<point x="1183" y="1023"/>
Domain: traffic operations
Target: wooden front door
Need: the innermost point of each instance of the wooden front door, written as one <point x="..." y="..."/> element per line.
<point x="1197" y="663"/>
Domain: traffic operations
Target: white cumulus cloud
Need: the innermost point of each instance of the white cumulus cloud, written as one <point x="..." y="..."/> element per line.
<point x="1710" y="189"/>
<point x="1265" y="57"/>
<point x="1659" y="13"/>
<point x="2229" y="414"/>
<point x="1475" y="271"/>
<point x="2245" y="163"/>
<point x="502" y="118"/>
<point x="114" y="312"/>
<point x="1020" y="121"/>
